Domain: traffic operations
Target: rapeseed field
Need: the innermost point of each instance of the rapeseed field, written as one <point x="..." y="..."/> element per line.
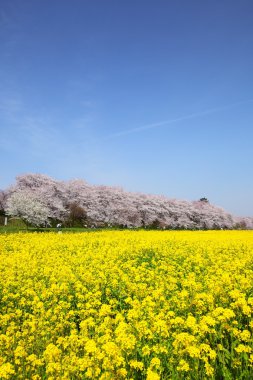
<point x="126" y="305"/>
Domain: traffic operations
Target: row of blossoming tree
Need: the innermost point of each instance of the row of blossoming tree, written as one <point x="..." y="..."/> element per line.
<point x="40" y="200"/>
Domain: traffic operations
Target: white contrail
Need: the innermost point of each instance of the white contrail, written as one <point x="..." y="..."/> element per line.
<point x="172" y="121"/>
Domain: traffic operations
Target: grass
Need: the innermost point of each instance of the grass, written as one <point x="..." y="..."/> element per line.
<point x="16" y="225"/>
<point x="13" y="229"/>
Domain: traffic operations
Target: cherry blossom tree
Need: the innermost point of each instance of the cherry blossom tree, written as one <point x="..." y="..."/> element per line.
<point x="3" y="199"/>
<point x="26" y="205"/>
<point x="103" y="205"/>
<point x="46" y="189"/>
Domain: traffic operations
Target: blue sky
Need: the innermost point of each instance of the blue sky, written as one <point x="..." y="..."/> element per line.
<point x="154" y="96"/>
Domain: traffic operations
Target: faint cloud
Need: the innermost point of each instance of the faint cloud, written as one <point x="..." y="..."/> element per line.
<point x="20" y="129"/>
<point x="176" y="120"/>
<point x="79" y="85"/>
<point x="10" y="106"/>
<point x="9" y="28"/>
<point x="4" y="19"/>
<point x="82" y="123"/>
<point x="87" y="103"/>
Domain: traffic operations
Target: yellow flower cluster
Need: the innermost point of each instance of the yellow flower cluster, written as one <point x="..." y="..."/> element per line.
<point x="131" y="305"/>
